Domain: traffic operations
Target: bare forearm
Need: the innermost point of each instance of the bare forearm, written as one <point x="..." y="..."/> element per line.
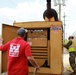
<point x="32" y="61"/>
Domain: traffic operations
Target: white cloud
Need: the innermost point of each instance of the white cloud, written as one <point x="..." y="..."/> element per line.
<point x="24" y="11"/>
<point x="7" y="13"/>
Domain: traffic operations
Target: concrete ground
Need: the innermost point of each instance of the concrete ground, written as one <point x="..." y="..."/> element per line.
<point x="4" y="74"/>
<point x="67" y="68"/>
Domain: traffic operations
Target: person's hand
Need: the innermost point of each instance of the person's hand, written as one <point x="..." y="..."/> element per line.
<point x="74" y="46"/>
<point x="38" y="67"/>
<point x="35" y="70"/>
<point x="1" y="41"/>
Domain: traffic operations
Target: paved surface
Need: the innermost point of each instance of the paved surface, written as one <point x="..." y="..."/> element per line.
<point x="67" y="68"/>
<point x="4" y="74"/>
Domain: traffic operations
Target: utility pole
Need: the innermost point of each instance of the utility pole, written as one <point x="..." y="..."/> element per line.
<point x="59" y="2"/>
<point x="59" y="12"/>
<point x="64" y="25"/>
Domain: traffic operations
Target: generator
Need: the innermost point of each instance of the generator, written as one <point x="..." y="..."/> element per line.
<point x="45" y="39"/>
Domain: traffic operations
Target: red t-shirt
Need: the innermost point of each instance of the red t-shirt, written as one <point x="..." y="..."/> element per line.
<point x="18" y="50"/>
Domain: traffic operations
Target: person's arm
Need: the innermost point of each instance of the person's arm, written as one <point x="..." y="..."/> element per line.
<point x="4" y="47"/>
<point x="68" y="44"/>
<point x="33" y="62"/>
<point x="30" y="57"/>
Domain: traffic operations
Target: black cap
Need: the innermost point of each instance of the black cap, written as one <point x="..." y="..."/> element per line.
<point x="21" y="31"/>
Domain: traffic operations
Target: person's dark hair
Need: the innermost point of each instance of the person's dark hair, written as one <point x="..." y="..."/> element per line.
<point x="21" y="32"/>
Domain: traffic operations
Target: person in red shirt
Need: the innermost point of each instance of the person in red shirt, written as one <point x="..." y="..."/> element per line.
<point x="18" y="54"/>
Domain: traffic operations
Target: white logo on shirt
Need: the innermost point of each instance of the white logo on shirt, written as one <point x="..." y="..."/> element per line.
<point x="14" y="50"/>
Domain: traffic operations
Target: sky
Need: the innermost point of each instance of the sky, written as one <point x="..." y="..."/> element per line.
<point x="32" y="10"/>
